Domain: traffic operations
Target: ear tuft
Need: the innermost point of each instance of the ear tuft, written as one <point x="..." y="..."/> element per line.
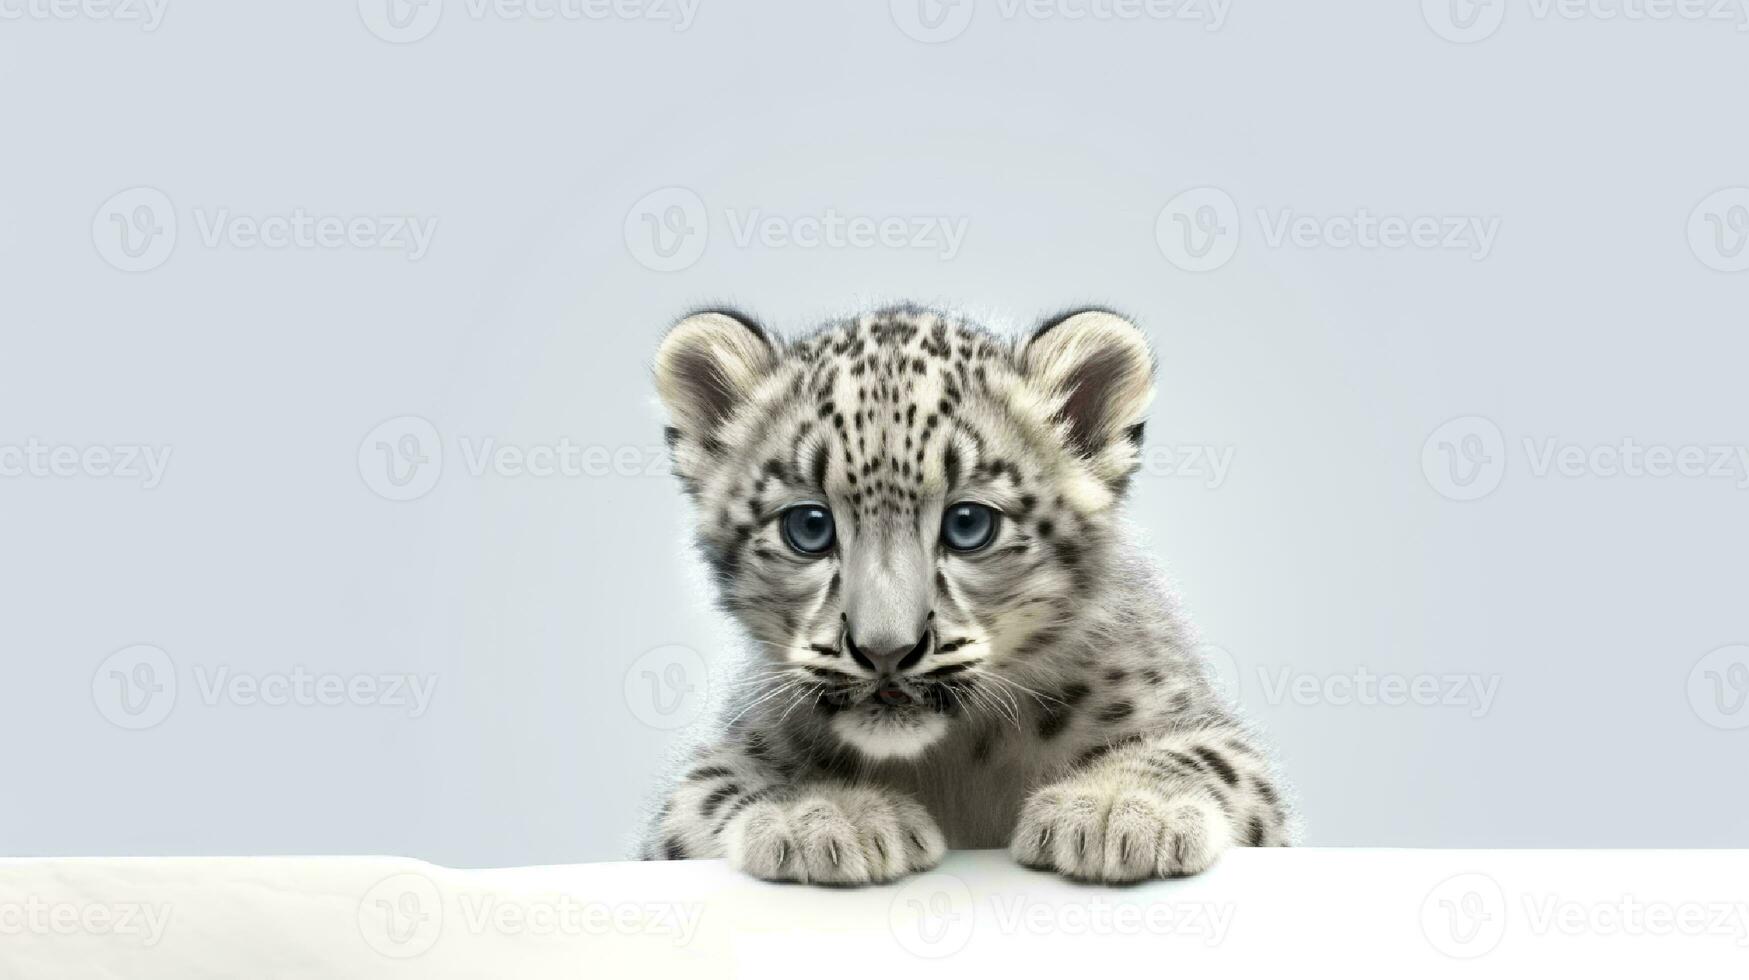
<point x="1096" y="369"/>
<point x="709" y="362"/>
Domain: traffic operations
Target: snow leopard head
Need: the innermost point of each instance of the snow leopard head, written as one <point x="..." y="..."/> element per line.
<point x="905" y="510"/>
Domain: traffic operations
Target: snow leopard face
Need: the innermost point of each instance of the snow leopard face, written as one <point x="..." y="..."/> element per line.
<point x="903" y="509"/>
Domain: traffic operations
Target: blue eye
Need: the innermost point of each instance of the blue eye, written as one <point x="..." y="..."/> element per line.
<point x="968" y="527"/>
<point x="808" y="529"/>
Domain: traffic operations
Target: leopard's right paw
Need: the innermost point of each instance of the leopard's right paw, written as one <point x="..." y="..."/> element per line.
<point x="834" y="835"/>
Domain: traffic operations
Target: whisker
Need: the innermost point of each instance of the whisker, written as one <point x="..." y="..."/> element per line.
<point x="763" y="698"/>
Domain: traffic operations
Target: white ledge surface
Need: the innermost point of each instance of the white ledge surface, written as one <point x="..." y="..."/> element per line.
<point x="1360" y="912"/>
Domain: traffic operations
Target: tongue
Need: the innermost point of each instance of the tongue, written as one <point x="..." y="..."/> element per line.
<point x="893" y="695"/>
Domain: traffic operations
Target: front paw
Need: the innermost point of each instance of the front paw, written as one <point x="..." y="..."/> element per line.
<point x="834" y="835"/>
<point x="1116" y="830"/>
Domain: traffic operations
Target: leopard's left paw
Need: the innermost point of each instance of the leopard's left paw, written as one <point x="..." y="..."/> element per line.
<point x="1111" y="831"/>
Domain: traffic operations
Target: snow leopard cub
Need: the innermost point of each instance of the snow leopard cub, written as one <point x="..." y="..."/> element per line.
<point x="916" y="521"/>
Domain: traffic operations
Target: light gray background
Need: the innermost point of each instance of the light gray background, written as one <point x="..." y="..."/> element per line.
<point x="1591" y="603"/>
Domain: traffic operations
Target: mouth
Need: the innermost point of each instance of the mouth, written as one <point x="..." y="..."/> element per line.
<point x="889" y="720"/>
<point x="892" y="714"/>
<point x="892" y="695"/>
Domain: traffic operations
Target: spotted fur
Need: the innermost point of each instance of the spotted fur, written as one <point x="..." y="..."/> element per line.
<point x="1046" y="696"/>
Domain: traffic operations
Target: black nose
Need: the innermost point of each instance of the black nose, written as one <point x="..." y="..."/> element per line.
<point x="896" y="660"/>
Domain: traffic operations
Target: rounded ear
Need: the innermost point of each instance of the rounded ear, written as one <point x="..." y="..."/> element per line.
<point x="709" y="363"/>
<point x="1095" y="369"/>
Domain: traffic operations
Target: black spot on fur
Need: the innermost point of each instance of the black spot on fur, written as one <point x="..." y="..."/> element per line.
<point x="1266" y="791"/>
<point x="1116" y="711"/>
<point x="716" y="798"/>
<point x="1219" y="764"/>
<point x="1052" y="722"/>
<point x="818" y="469"/>
<point x="741" y="804"/>
<point x="1094" y="754"/>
